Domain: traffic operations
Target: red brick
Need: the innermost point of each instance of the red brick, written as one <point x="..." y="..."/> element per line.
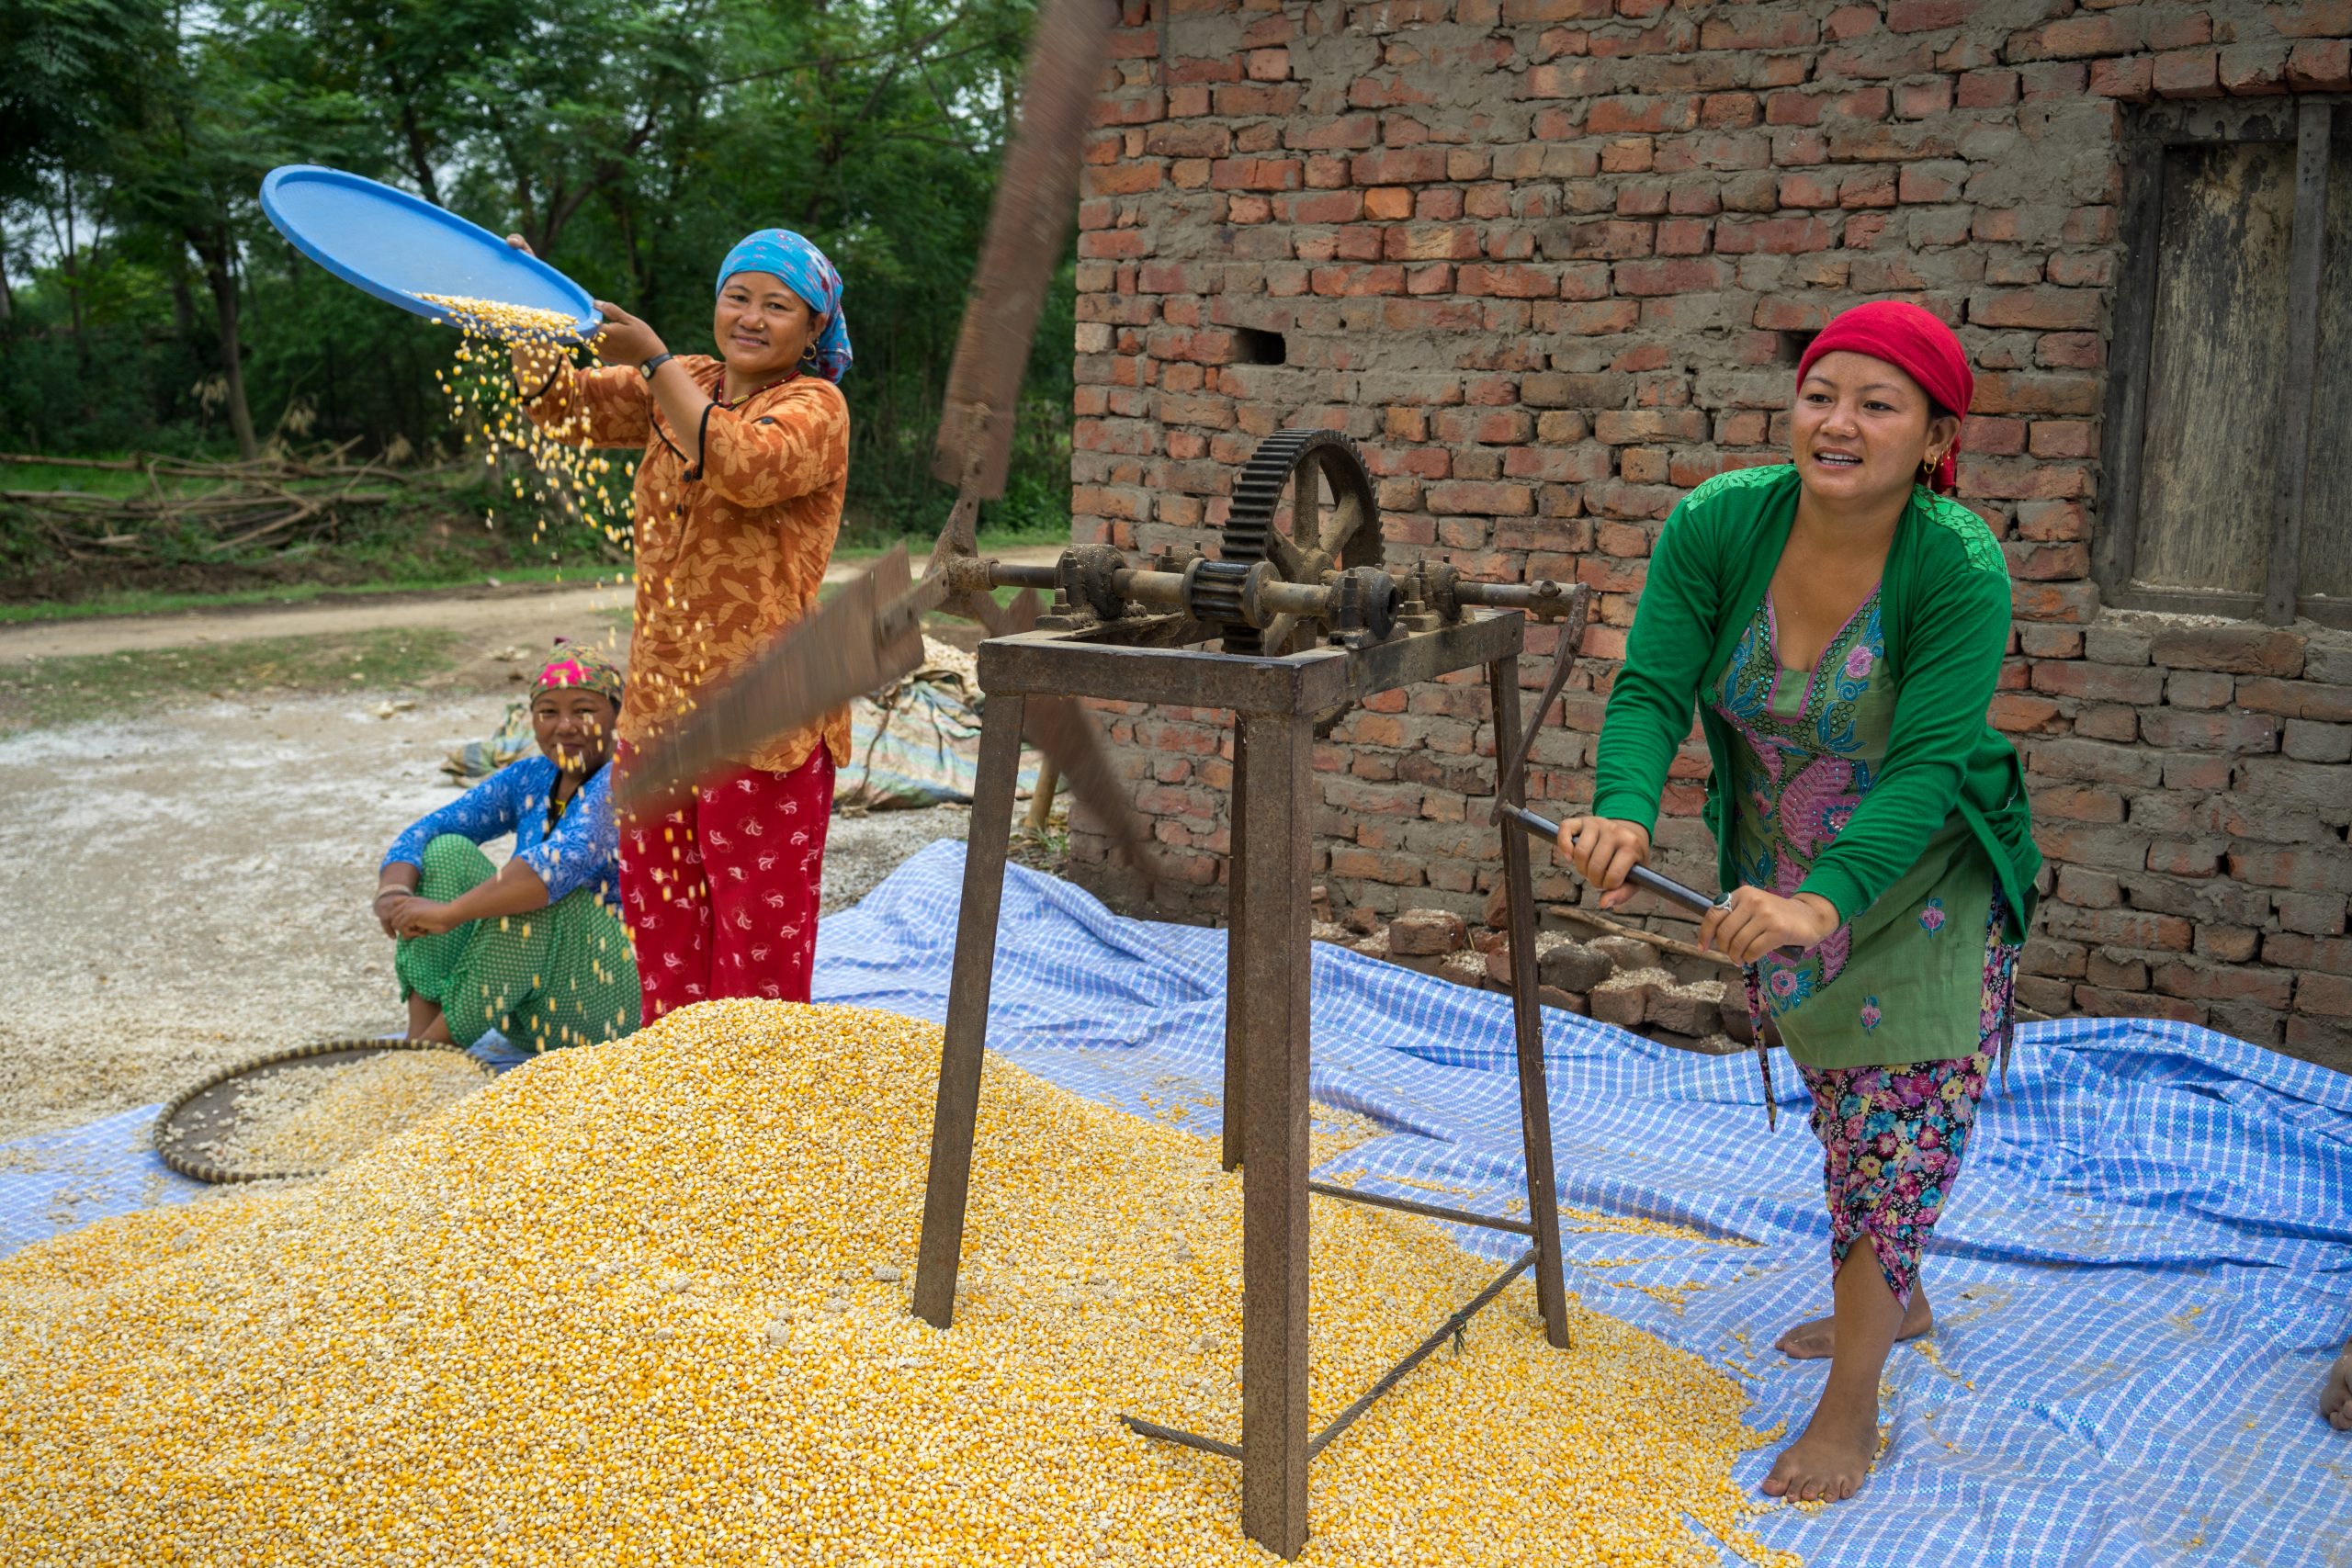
<point x="2224" y="983"/>
<point x="1178" y="139"/>
<point x="2013" y="713"/>
<point x="2297" y="699"/>
<point x="1919" y="100"/>
<point x="2045" y="308"/>
<point x="2100" y="682"/>
<point x="2189" y="73"/>
<point x="1327" y="207"/>
<point x="1775" y="236"/>
<point x="1640" y="116"/>
<point x="2034" y="393"/>
<point x="2330" y="955"/>
<point x="2197" y="689"/>
<point x="2122" y="928"/>
<point x="1690" y="276"/>
<point x="2097" y="1003"/>
<point x="1257" y="173"/>
<point x="1756" y="29"/>
<point x="2321" y="67"/>
<point x="2063" y="438"/>
<point x="2328" y="994"/>
<point x="2255" y="68"/>
<point x="2312" y="18"/>
<point x="2300" y="870"/>
<point x="2178" y="728"/>
<point x="2049" y="522"/>
<point x="1345" y="133"/>
<point x="1987" y="89"/>
<point x="2185" y="857"/>
<point x="2095" y="33"/>
<point x="2239" y="648"/>
<point x="1481" y="497"/>
<point x="1509" y="282"/>
<point x="2132" y="78"/>
<point x="1399" y="166"/>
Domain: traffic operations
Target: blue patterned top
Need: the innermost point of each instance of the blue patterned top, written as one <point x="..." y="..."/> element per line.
<point x="580" y="850"/>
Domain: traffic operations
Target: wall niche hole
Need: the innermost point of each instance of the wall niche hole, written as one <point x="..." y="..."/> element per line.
<point x="1252" y="345"/>
<point x="1793" y="344"/>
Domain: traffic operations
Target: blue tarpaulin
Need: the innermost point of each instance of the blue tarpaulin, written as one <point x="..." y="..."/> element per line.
<point x="2139" y="1281"/>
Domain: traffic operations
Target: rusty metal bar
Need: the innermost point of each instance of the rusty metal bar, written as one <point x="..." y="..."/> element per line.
<point x="1272" y="1011"/>
<point x="1363" y="1402"/>
<point x="1507" y="776"/>
<point x="956" y="1110"/>
<point x="1236" y="896"/>
<point x="1545" y="599"/>
<point x="1143" y="1429"/>
<point x="1427" y="1211"/>
<point x="1527" y="1031"/>
<point x="1641" y="876"/>
<point x="1418" y="1354"/>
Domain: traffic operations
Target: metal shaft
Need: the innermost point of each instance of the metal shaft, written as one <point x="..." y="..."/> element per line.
<point x="1641" y="876"/>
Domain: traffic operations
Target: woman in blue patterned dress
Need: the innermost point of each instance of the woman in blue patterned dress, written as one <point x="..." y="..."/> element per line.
<point x="1840" y="626"/>
<point x="533" y="949"/>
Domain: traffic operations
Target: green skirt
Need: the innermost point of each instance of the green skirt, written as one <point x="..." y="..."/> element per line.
<point x="561" y="975"/>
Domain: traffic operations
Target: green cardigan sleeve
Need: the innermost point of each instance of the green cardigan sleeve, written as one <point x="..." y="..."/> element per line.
<point x="1666" y="658"/>
<point x="1947" y="666"/>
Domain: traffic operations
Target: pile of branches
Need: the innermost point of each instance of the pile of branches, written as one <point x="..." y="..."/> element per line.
<point x="276" y="501"/>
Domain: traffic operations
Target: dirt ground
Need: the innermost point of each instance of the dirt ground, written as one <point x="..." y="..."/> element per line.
<point x="189" y="886"/>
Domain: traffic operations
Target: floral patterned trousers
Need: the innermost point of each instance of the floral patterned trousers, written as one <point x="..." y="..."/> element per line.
<point x="720" y="896"/>
<point x="1892" y="1138"/>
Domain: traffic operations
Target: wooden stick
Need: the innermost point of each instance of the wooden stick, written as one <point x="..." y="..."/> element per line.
<point x="1689" y="949"/>
<point x="1663" y="944"/>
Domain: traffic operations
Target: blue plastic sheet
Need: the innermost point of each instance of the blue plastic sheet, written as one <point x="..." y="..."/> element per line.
<point x="2140" y="1279"/>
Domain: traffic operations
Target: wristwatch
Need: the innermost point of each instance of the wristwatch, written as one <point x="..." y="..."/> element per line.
<point x="659" y="360"/>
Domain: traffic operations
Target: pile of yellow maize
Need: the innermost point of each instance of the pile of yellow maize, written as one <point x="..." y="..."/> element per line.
<point x="646" y="1302"/>
<point x="314" y="1118"/>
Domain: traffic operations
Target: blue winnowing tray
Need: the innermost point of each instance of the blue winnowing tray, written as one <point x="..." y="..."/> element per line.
<point x="401" y="247"/>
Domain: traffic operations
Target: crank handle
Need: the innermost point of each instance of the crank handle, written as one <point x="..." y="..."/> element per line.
<point x="1641" y="876"/>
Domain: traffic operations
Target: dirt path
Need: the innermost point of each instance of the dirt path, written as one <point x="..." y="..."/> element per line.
<point x="524" y="614"/>
<point x="189" y="886"/>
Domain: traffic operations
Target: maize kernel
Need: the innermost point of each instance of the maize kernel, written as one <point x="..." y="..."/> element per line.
<point x="463" y="1347"/>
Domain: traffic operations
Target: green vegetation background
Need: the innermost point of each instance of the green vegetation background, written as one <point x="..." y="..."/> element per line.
<point x="146" y="304"/>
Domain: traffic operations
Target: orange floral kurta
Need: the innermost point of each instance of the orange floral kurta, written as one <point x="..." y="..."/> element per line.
<point x="728" y="555"/>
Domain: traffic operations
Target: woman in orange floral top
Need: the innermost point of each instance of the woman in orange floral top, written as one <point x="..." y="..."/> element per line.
<point x="738" y="501"/>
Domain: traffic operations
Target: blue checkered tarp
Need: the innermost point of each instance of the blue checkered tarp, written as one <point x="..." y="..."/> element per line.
<point x="2139" y="1281"/>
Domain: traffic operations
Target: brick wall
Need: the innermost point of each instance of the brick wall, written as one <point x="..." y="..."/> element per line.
<point x="1547" y="260"/>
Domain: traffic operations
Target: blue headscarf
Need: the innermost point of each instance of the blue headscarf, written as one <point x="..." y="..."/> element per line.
<point x="807" y="273"/>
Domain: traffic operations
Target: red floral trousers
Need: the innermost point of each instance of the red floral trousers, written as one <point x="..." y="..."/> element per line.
<point x="720" y="896"/>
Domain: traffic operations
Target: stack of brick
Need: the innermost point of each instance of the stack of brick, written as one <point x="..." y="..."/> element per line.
<point x="1550" y="262"/>
<point x="1617" y="979"/>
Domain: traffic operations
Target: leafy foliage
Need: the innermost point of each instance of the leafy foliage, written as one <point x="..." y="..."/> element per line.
<point x="150" y="304"/>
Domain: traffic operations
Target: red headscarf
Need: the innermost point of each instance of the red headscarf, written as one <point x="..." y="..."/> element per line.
<point x="1914" y="341"/>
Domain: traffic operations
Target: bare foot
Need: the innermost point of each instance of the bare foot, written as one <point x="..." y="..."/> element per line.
<point x="2336" y="1399"/>
<point x="1829" y="1462"/>
<point x="1815" y="1338"/>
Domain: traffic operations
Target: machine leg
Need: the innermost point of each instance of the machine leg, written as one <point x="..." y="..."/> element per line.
<point x="1527" y="1018"/>
<point x="1236" y="897"/>
<point x="1271" y="1019"/>
<point x="959" y="1105"/>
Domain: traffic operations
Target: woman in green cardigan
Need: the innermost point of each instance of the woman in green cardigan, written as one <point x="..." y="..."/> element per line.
<point x="1840" y="626"/>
